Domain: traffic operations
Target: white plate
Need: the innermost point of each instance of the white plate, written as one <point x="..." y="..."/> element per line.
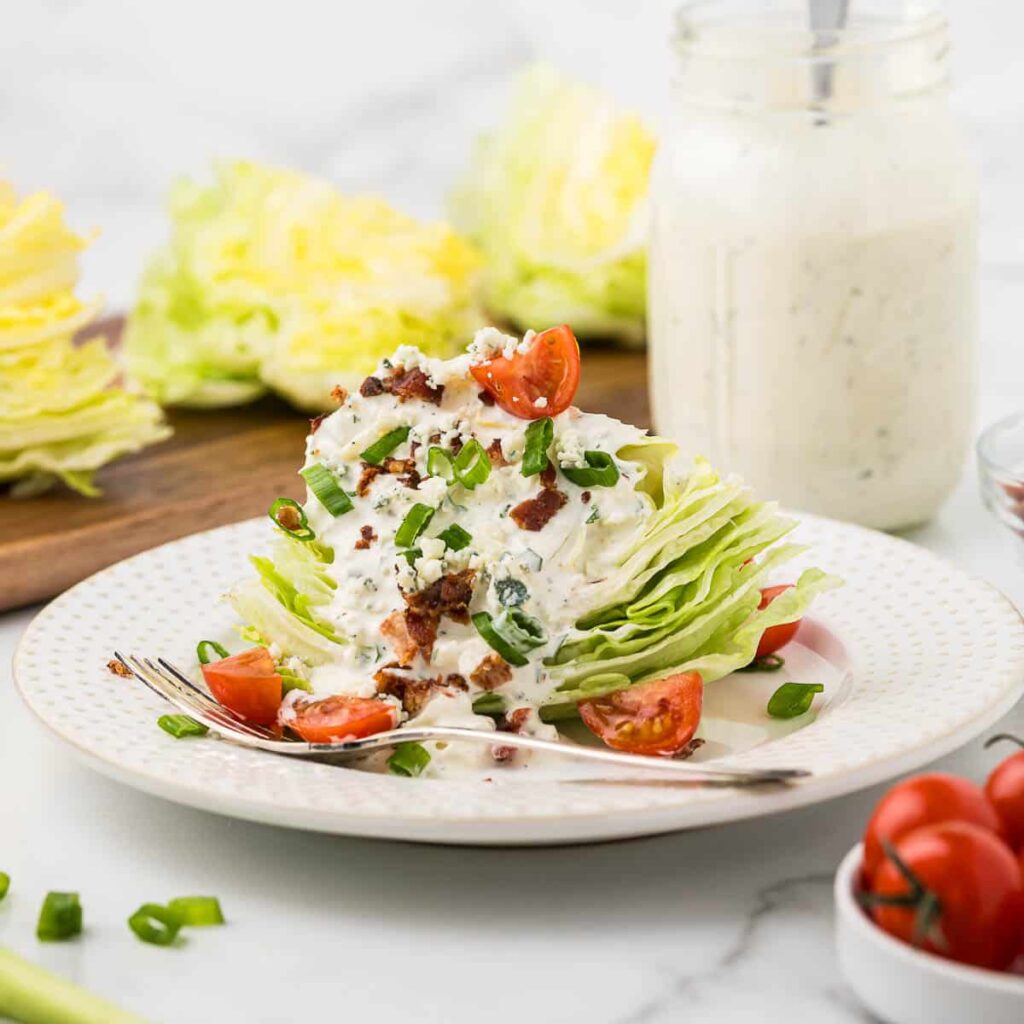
<point x="917" y="658"/>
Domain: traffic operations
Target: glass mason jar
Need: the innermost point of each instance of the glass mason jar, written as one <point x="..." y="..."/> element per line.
<point x="813" y="259"/>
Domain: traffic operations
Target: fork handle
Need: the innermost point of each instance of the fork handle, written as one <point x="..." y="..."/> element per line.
<point x="664" y="766"/>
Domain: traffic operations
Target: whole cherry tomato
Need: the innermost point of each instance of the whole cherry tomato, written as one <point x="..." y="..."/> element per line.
<point x="953" y="889"/>
<point x="924" y="800"/>
<point x="1005" y="790"/>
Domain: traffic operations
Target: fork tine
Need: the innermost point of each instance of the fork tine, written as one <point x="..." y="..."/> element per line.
<point x="168" y="687"/>
<point x="201" y="703"/>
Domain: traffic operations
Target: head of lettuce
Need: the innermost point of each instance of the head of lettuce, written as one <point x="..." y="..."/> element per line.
<point x="273" y="280"/>
<point x="555" y="197"/>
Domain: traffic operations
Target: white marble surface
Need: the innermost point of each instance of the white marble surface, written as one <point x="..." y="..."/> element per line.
<point x="105" y="102"/>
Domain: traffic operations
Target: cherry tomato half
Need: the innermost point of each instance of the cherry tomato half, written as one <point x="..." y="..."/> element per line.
<point x="342" y="718"/>
<point x="1005" y="791"/>
<point x="924" y="800"/>
<point x="775" y="637"/>
<point x="968" y="898"/>
<point x="246" y="683"/>
<point x="658" y="717"/>
<point x="549" y="371"/>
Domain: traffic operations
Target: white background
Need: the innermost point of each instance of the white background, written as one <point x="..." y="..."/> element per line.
<point x="105" y="103"/>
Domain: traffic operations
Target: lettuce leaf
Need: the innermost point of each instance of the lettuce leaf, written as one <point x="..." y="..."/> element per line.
<point x="686" y="595"/>
<point x="62" y="413"/>
<point x="274" y="280"/>
<point x="555" y="197"/>
<point x="282" y="603"/>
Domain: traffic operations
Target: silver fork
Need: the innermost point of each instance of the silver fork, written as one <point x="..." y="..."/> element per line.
<point x="174" y="686"/>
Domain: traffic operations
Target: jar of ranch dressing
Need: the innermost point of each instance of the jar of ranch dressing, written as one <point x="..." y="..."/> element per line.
<point x="813" y="258"/>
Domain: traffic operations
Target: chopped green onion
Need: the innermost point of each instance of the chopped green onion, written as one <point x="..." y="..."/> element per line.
<point x="155" y="924"/>
<point x="180" y="726"/>
<point x="600" y="471"/>
<point x="412" y="554"/>
<point x="414" y="523"/>
<point x="539" y="435"/>
<point x="197" y="911"/>
<point x="60" y="917"/>
<point x="439" y="463"/>
<point x="384" y="446"/>
<point x="204" y="658"/>
<point x="326" y="489"/>
<point x="793" y="699"/>
<point x="486" y="628"/>
<point x="511" y="592"/>
<point x="511" y="634"/>
<point x="303" y="531"/>
<point x="530" y="560"/>
<point x="594" y="516"/>
<point x="769" y="663"/>
<point x="455" y="537"/>
<point x="5" y="883"/>
<point x="472" y="465"/>
<point x="409" y="759"/>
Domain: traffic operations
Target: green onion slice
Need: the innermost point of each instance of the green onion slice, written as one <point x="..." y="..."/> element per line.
<point x="539" y="435"/>
<point x="5" y="883"/>
<point x="155" y="924"/>
<point x="197" y="911"/>
<point x="600" y="471"/>
<point x="303" y="531"/>
<point x="409" y="759"/>
<point x="511" y="634"/>
<point x="455" y="537"/>
<point x="793" y="699"/>
<point x="180" y="726"/>
<point x="60" y="917"/>
<point x="411" y="554"/>
<point x="326" y="489"/>
<point x="769" y="663"/>
<point x="414" y="523"/>
<point x="384" y="446"/>
<point x="472" y="465"/>
<point x="204" y="658"/>
<point x="439" y="463"/>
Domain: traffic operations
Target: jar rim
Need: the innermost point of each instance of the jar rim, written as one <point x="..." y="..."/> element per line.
<point x="752" y="29"/>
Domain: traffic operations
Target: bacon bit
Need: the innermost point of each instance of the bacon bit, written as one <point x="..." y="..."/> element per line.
<point x="514" y="721"/>
<point x="405" y="470"/>
<point x="491" y="672"/>
<point x="486" y="397"/>
<point x="456" y="445"/>
<point x="371" y="387"/>
<point x="339" y="394"/>
<point x="535" y="513"/>
<point x="585" y="497"/>
<point x="495" y="454"/>
<point x="435" y="437"/>
<point x="394" y="631"/>
<point x="288" y="517"/>
<point x="408" y="384"/>
<point x="366" y="538"/>
<point x="689" y="750"/>
<point x="450" y="595"/>
<point x="414" y="693"/>
<point x="369" y="474"/>
<point x="314" y="423"/>
<point x="117" y="668"/>
<point x="547" y="476"/>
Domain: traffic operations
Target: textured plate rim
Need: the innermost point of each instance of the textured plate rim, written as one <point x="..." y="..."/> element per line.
<point x="540" y="829"/>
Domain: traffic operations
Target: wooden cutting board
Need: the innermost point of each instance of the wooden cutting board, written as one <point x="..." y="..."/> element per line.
<point x="220" y="466"/>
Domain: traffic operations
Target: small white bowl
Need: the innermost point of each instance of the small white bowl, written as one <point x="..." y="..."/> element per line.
<point x="905" y="986"/>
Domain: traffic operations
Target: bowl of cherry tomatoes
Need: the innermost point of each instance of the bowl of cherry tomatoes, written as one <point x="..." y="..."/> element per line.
<point x="930" y="905"/>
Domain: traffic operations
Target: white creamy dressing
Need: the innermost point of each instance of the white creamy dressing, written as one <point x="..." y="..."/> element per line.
<point x="562" y="565"/>
<point x="812" y="301"/>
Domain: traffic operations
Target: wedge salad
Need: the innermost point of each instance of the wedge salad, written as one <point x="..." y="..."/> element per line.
<point x="475" y="550"/>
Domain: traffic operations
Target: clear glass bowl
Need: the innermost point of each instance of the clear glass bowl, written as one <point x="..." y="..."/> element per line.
<point x="1001" y="468"/>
